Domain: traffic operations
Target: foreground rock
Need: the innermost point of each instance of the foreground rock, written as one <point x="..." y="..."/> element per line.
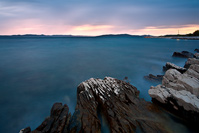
<point x="57" y="122"/>
<point x="183" y="54"/>
<point x="179" y="92"/>
<point x="119" y="102"/>
<point x="173" y="66"/>
<point x="152" y="77"/>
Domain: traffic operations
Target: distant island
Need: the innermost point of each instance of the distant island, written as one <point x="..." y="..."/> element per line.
<point x="42" y="35"/>
<point x="190" y="36"/>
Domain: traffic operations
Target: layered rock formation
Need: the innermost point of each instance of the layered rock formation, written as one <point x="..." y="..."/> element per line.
<point x="119" y="102"/>
<point x="191" y="61"/>
<point x="179" y="92"/>
<point x="183" y="54"/>
<point x="57" y="122"/>
<point x="173" y="66"/>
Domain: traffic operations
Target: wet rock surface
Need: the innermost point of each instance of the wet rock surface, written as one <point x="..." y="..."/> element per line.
<point x="121" y="105"/>
<point x="183" y="54"/>
<point x="191" y="61"/>
<point x="57" y="122"/>
<point x="196" y="55"/>
<point x="119" y="102"/>
<point x="25" y="130"/>
<point x="151" y="77"/>
<point x="179" y="92"/>
<point x="173" y="66"/>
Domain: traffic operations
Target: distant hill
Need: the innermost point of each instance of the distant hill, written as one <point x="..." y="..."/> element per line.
<point x="120" y="35"/>
<point x="73" y="36"/>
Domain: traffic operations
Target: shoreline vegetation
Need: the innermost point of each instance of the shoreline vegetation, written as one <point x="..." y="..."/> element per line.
<point x="191" y="36"/>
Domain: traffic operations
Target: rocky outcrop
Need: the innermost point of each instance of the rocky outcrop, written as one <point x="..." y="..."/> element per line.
<point x="193" y="71"/>
<point x="173" y="66"/>
<point x="177" y="81"/>
<point x="57" y="122"/>
<point x="196" y="55"/>
<point x="183" y="54"/>
<point x="190" y="62"/>
<point x="179" y="92"/>
<point x="185" y="99"/>
<point x="117" y="100"/>
<point x="197" y="50"/>
<point x="25" y="130"/>
<point x="152" y="77"/>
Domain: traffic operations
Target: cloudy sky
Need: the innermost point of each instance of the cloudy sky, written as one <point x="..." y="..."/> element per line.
<point x="95" y="17"/>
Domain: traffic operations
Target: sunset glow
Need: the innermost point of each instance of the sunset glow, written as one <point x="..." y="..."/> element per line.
<point x="95" y="30"/>
<point x="98" y="17"/>
<point x="185" y="29"/>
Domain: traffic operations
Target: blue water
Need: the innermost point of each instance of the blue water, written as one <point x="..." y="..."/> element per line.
<point x="37" y="72"/>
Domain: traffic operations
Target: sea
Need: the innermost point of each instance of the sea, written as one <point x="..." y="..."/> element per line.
<point x="36" y="72"/>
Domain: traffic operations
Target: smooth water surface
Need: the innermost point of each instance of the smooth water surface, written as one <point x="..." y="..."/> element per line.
<point x="37" y="72"/>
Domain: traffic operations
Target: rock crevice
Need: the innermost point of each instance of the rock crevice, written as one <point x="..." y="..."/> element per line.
<point x="119" y="102"/>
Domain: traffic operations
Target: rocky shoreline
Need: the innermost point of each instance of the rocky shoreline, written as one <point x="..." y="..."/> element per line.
<point x="179" y="91"/>
<point x="176" y="37"/>
<point x="118" y="101"/>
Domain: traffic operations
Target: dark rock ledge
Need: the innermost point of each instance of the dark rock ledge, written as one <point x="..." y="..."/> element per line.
<point x="119" y="102"/>
<point x="173" y="66"/>
<point x="183" y="54"/>
<point x="152" y="77"/>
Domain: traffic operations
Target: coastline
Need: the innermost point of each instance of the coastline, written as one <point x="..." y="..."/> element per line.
<point x="119" y="102"/>
<point x="176" y="37"/>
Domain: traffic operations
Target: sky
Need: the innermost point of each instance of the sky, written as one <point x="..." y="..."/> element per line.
<point x="97" y="17"/>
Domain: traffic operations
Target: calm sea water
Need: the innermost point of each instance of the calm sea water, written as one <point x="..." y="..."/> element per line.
<point x="37" y="72"/>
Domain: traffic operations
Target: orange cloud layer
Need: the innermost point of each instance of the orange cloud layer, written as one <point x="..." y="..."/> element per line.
<point x="37" y="27"/>
<point x="185" y="29"/>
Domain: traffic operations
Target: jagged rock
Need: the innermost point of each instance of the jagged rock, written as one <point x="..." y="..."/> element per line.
<point x="57" y="122"/>
<point x="191" y="61"/>
<point x="189" y="101"/>
<point x="179" y="92"/>
<point x="196" y="55"/>
<point x="173" y="66"/>
<point x="25" y="130"/>
<point x="181" y="103"/>
<point x="177" y="81"/>
<point x="193" y="71"/>
<point x="183" y="54"/>
<point x="197" y="50"/>
<point x="152" y="77"/>
<point x="119" y="102"/>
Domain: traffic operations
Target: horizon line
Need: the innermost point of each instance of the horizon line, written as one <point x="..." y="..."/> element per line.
<point x="87" y="35"/>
